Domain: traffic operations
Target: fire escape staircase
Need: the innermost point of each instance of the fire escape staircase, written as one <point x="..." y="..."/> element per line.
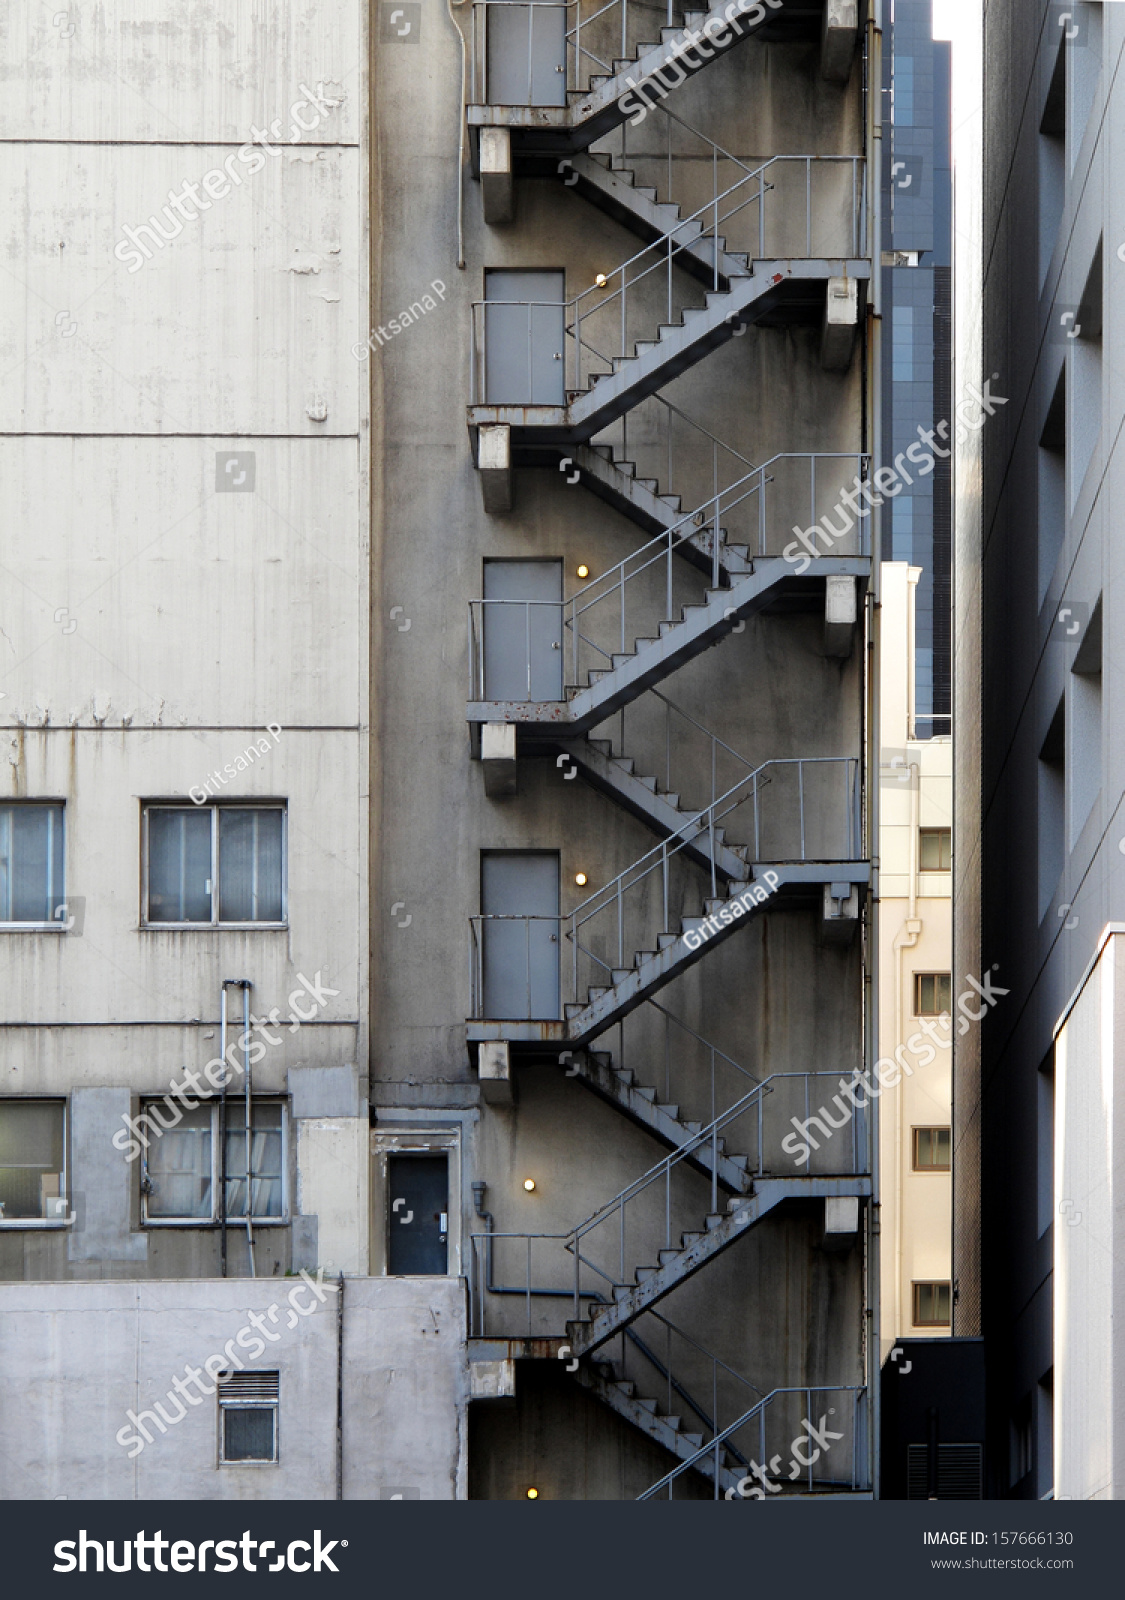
<point x="534" y="134"/>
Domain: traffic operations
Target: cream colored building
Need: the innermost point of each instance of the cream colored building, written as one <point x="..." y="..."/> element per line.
<point x="915" y="960"/>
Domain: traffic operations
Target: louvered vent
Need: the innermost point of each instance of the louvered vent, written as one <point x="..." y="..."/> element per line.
<point x="959" y="1472"/>
<point x="250" y="1387"/>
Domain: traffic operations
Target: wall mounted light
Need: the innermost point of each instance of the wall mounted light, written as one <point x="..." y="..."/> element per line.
<point x="533" y="1494"/>
<point x="529" y="1184"/>
<point x="580" y="879"/>
<point x="600" y="280"/>
<point x="582" y="570"/>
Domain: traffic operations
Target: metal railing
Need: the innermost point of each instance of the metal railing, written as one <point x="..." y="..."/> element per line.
<point x="605" y="307"/>
<point x="647" y="1214"/>
<point x="621" y="614"/>
<point x="630" y="911"/>
<point x="845" y="1458"/>
<point x="616" y="28"/>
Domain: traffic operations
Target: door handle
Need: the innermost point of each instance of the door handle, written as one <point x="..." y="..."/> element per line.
<point x="555" y="645"/>
<point x="554" y="938"/>
<point x="558" y="355"/>
<point x="443" y="1223"/>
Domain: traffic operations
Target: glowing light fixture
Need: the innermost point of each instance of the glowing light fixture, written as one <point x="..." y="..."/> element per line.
<point x="529" y="1184"/>
<point x="600" y="280"/>
<point x="533" y="1494"/>
<point x="580" y="879"/>
<point x="582" y="570"/>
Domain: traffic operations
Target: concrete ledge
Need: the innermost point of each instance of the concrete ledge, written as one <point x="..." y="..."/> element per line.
<point x="495" y="1070"/>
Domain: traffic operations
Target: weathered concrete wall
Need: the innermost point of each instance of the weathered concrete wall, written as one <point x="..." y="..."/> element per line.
<point x="155" y="624"/>
<point x="80" y="1358"/>
<point x="775" y="997"/>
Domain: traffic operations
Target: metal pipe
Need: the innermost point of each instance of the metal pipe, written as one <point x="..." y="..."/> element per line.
<point x="340" y="1387"/>
<point x="223" y="1129"/>
<point x="246" y="1068"/>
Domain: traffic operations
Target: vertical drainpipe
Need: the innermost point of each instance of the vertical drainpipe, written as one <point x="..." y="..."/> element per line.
<point x="340" y="1387"/>
<point x="246" y="1070"/>
<point x="874" y="396"/>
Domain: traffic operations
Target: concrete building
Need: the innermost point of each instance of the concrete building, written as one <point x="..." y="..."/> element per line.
<point x="915" y="955"/>
<point x="1040" y="779"/>
<point x="917" y="331"/>
<point x="185" y="722"/>
<point x="539" y="950"/>
<point x="597" y="452"/>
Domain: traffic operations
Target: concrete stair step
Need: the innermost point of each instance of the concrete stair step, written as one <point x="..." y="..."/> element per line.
<point x="619" y="974"/>
<point x="714" y="1220"/>
<point x="640" y="1276"/>
<point x="667" y="940"/>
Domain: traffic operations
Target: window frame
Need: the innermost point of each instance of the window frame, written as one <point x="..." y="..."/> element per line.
<point x="255" y="1403"/>
<point x="213" y="807"/>
<point x="944" y="833"/>
<point x="14" y="1223"/>
<point x="58" y="893"/>
<point x="214" y="1103"/>
<point x="917" y="996"/>
<point x="929" y="1283"/>
<point x="930" y="1167"/>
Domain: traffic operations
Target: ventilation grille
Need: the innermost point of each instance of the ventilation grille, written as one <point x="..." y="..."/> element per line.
<point x="959" y="1472"/>
<point x="250" y="1387"/>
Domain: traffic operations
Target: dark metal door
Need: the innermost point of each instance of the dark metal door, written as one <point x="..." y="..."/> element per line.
<point x="520" y="898"/>
<point x="417" y="1215"/>
<point x="523" y="658"/>
<point x="524" y="333"/>
<point x="526" y="53"/>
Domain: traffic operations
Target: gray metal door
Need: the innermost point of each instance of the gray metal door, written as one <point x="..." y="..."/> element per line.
<point x="523" y="630"/>
<point x="526" y="53"/>
<point x="417" y="1215"/>
<point x="524" y="334"/>
<point x="519" y="894"/>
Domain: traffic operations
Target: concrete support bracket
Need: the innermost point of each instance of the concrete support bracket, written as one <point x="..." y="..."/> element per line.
<point x="838" y="39"/>
<point x="841" y="612"/>
<point x="841" y="1221"/>
<point x="841" y="911"/>
<point x="494" y="462"/>
<point x="494" y="1068"/>
<point x="498" y="758"/>
<point x="841" y="319"/>
<point x="496" y="190"/>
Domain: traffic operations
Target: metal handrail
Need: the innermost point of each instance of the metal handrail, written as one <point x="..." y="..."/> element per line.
<point x="670" y="247"/>
<point x="758" y="1412"/>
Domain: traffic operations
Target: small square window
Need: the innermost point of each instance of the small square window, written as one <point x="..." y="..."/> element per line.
<point x="935" y="849"/>
<point x="932" y="1302"/>
<point x="215" y="865"/>
<point x="33" y="1160"/>
<point x="31" y="864"/>
<point x="933" y="994"/>
<point x="932" y="1149"/>
<point x="248" y="1408"/>
<point x="181" y="1173"/>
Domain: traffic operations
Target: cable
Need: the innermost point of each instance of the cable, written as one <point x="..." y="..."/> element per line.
<point x="450" y="5"/>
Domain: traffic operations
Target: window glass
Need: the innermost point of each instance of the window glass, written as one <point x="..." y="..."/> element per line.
<point x="933" y="993"/>
<point x="32" y="1171"/>
<point x="178" y="1164"/>
<point x="250" y="850"/>
<point x="265" y="1160"/>
<point x="935" y="849"/>
<point x="248" y="1433"/>
<point x="931" y="1149"/>
<point x="931" y="1305"/>
<point x="179" y="864"/>
<point x="31" y="862"/>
